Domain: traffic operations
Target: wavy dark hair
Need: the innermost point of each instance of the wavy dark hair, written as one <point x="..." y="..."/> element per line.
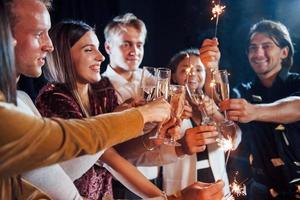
<point x="280" y="36"/>
<point x="7" y="64"/>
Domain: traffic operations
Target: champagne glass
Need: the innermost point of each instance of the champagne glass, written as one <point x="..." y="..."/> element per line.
<point x="162" y="90"/>
<point x="176" y="100"/>
<point x="148" y="83"/>
<point x="221" y="91"/>
<point x="163" y="82"/>
<point x="194" y="84"/>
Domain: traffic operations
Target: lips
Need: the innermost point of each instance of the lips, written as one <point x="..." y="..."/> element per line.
<point x="41" y="61"/>
<point x="259" y="62"/>
<point x="95" y="68"/>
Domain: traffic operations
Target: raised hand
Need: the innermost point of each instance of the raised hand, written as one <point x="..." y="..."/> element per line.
<point x="239" y="110"/>
<point x="210" y="53"/>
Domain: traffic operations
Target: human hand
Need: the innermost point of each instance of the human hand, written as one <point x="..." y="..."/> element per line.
<point x="188" y="111"/>
<point x="170" y="129"/>
<point x="212" y="109"/>
<point x="210" y="53"/>
<point x="239" y="110"/>
<point x="203" y="191"/>
<point x="129" y="103"/>
<point x="195" y="139"/>
<point x="158" y="110"/>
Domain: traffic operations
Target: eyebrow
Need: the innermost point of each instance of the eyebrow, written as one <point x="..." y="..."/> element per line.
<point x="88" y="45"/>
<point x="262" y="43"/>
<point x="131" y="42"/>
<point x="199" y="66"/>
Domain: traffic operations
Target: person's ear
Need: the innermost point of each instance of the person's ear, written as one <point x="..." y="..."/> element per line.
<point x="107" y="47"/>
<point x="284" y="52"/>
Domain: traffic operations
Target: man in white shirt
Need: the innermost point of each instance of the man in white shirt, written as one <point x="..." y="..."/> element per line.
<point x="125" y="38"/>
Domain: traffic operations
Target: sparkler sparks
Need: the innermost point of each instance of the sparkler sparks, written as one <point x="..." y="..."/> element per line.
<point x="217" y="10"/>
<point x="226" y="144"/>
<point x="238" y="189"/>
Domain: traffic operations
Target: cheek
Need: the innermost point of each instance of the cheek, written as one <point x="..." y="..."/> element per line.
<point x="181" y="78"/>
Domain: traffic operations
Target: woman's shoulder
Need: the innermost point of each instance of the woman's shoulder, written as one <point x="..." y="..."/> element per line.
<point x="54" y="92"/>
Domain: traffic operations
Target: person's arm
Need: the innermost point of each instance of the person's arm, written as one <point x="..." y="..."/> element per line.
<point x="129" y="175"/>
<point x="197" y="191"/>
<point x="29" y="142"/>
<point x="281" y="111"/>
<point x="45" y="179"/>
<point x="148" y="151"/>
<point x="136" y="182"/>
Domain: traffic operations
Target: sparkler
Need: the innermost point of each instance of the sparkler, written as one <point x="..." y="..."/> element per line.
<point x="217" y="10"/>
<point x="238" y="189"/>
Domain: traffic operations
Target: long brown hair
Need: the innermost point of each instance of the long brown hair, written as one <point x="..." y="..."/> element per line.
<point x="60" y="66"/>
<point x="7" y="64"/>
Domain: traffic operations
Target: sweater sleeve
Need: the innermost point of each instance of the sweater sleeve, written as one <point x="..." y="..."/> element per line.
<point x="29" y="142"/>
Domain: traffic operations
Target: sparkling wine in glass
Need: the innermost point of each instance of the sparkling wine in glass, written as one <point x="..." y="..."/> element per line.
<point x="148" y="83"/>
<point x="162" y="90"/>
<point x="221" y="89"/>
<point x="177" y="98"/>
<point x="163" y="82"/>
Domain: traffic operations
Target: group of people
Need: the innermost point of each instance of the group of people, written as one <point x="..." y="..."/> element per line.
<point x="45" y="156"/>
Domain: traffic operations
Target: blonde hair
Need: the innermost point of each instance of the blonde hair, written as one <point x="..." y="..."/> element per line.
<point x="120" y="23"/>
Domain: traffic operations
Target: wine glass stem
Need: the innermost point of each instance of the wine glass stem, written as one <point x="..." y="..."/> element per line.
<point x="225" y="115"/>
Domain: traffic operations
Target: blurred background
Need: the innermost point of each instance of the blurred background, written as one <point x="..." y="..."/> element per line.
<point x="178" y="24"/>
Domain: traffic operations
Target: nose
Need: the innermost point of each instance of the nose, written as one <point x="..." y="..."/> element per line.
<point x="134" y="49"/>
<point x="260" y="51"/>
<point x="47" y="44"/>
<point x="100" y="56"/>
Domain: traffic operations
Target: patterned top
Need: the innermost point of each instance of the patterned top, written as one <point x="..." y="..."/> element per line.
<point x="56" y="100"/>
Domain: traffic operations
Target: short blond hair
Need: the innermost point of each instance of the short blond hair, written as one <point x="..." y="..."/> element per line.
<point x="120" y="23"/>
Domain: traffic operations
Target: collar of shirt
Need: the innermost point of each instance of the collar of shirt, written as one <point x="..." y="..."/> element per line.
<point x="124" y="89"/>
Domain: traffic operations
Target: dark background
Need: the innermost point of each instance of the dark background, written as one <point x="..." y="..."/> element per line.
<point x="177" y="24"/>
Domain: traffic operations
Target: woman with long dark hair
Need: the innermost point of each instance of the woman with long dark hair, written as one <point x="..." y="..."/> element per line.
<point x="78" y="91"/>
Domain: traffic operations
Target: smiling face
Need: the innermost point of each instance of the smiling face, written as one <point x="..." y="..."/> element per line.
<point x="126" y="50"/>
<point x="197" y="72"/>
<point x="87" y="58"/>
<point x="31" y="33"/>
<point x="265" y="57"/>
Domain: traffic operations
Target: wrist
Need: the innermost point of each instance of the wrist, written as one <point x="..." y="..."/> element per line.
<point x="256" y="114"/>
<point x="179" y="151"/>
<point x="144" y="112"/>
<point x="175" y="196"/>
